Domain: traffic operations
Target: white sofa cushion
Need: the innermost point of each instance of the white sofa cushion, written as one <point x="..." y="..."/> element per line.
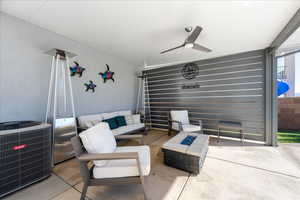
<point x="125" y="168"/>
<point x="125" y="129"/>
<point x="87" y="121"/>
<point x="98" y="139"/>
<point x="95" y="122"/>
<point x="129" y="119"/>
<point x="114" y="114"/>
<point x="109" y="115"/>
<point x="124" y="112"/>
<point x="136" y="118"/>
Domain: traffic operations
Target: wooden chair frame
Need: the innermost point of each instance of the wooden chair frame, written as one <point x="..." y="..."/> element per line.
<point x="87" y="173"/>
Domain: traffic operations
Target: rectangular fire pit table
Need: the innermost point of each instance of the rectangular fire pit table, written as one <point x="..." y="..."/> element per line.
<point x="180" y="154"/>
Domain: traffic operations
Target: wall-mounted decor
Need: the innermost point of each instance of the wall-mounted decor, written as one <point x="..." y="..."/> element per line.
<point x="107" y="75"/>
<point x="90" y="86"/>
<point x="190" y="86"/>
<point x="77" y="69"/>
<point x="190" y="71"/>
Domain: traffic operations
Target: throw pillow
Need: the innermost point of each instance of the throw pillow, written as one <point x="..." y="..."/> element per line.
<point x="112" y="123"/>
<point x="136" y="119"/>
<point x="120" y="120"/>
<point x="95" y="144"/>
<point x="128" y="119"/>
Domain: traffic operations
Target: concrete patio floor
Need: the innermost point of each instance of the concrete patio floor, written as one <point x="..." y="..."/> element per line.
<point x="231" y="171"/>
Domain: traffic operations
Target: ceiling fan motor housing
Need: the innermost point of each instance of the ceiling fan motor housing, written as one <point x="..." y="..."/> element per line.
<point x="188" y="29"/>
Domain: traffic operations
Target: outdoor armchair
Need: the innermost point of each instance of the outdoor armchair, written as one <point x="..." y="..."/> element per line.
<point x="179" y="121"/>
<point x="112" y="164"/>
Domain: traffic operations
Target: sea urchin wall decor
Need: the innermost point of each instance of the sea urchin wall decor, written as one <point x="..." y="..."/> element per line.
<point x="90" y="86"/>
<point x="107" y="75"/>
<point x="77" y="69"/>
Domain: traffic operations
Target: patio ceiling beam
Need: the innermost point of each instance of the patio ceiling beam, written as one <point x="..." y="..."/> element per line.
<point x="289" y="29"/>
<point x="288" y="53"/>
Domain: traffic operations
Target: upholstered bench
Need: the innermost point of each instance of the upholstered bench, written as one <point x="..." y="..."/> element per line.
<point x="135" y="126"/>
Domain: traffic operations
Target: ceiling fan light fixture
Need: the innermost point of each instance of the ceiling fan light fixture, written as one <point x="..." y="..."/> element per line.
<point x="189" y="45"/>
<point x="189" y="42"/>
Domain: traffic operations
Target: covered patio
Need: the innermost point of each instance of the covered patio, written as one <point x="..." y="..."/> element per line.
<point x="231" y="170"/>
<point x="228" y="97"/>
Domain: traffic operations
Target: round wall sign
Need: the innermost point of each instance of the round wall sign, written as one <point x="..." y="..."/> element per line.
<point x="190" y="71"/>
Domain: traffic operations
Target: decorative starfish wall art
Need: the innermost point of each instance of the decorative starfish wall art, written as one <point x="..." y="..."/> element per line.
<point x="107" y="75"/>
<point x="90" y="86"/>
<point x="77" y="69"/>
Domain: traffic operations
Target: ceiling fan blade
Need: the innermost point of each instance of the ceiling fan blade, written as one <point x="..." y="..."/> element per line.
<point x="194" y="35"/>
<point x="201" y="48"/>
<point x="165" y="51"/>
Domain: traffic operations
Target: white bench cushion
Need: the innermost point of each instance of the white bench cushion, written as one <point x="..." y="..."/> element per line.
<point x="98" y="139"/>
<point x="124" y="112"/>
<point x="125" y="168"/>
<point x="128" y="128"/>
<point x="136" y="118"/>
<point x="129" y="119"/>
<point x="88" y="121"/>
<point x="114" y="114"/>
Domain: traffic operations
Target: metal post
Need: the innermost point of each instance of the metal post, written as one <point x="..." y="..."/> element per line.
<point x="148" y="101"/>
<point x="71" y="92"/>
<point x="138" y="96"/>
<point x="64" y="87"/>
<point x="50" y="89"/>
<point x="54" y="106"/>
<point x="55" y="88"/>
<point x="275" y="101"/>
<point x="144" y="101"/>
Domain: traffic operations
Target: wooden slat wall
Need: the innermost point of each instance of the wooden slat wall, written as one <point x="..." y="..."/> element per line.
<point x="231" y="88"/>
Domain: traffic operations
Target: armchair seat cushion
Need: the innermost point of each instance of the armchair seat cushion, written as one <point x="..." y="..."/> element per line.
<point x="125" y="168"/>
<point x="125" y="129"/>
<point x="188" y="127"/>
<point x="191" y="128"/>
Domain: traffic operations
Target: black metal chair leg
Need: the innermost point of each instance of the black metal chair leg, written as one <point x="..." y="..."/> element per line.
<point x="169" y="132"/>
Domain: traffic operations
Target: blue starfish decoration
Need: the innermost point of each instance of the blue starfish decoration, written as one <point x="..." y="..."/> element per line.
<point x="107" y="75"/>
<point x="90" y="86"/>
<point x="77" y="69"/>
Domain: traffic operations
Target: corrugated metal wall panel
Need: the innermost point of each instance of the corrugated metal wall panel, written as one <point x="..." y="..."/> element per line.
<point x="231" y="88"/>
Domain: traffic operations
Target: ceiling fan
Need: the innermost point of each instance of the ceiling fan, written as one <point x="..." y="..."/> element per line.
<point x="190" y="41"/>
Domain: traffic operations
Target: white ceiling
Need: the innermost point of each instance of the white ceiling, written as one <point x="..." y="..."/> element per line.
<point x="139" y="30"/>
